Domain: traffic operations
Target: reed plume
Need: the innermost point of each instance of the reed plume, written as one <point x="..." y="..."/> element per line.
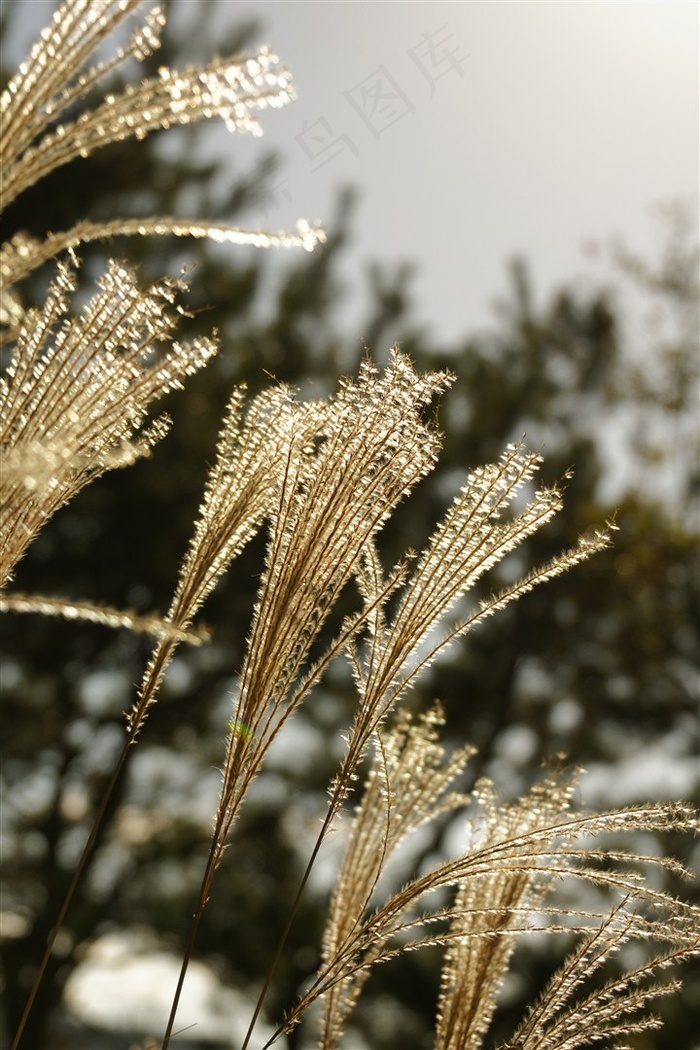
<point x="505" y="886"/>
<point x="76" y="393"/>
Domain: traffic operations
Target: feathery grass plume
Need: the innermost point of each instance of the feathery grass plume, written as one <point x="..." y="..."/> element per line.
<point x="57" y="76"/>
<point x="54" y="78"/>
<point x="23" y="254"/>
<point x="342" y="473"/>
<point x="516" y="853"/>
<point x="77" y="391"/>
<point x="472" y="538"/>
<point x="43" y="454"/>
<point x="485" y="910"/>
<point x="102" y="614"/>
<point x="240" y="492"/>
<point x="408" y="785"/>
<point x="405" y="788"/>
<point x="618" y="1007"/>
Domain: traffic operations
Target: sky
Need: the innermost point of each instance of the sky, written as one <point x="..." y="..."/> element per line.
<point x="473" y="132"/>
<point x="478" y="131"/>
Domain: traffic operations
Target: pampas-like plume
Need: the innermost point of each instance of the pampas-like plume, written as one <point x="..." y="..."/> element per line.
<point x="476" y="960"/>
<point x="472" y="538"/>
<point x="408" y="785"/>
<point x="516" y="854"/>
<point x="345" y="466"/>
<point x="241" y="491"/>
<point x="53" y="78"/>
<point x="102" y="614"/>
<point x="24" y="254"/>
<point x="57" y="77"/>
<point x="615" y="1008"/>
<point x="77" y="391"/>
<point x="71" y="409"/>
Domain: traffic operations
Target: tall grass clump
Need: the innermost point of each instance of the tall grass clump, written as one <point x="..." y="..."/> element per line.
<point x="319" y="479"/>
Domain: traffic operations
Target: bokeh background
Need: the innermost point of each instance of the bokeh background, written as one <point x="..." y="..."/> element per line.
<point x="510" y="191"/>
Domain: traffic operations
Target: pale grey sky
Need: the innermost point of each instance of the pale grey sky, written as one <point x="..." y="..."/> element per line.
<point x="478" y="130"/>
<point x="475" y="131"/>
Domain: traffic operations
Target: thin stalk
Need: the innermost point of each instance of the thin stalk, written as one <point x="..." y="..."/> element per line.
<point x="350" y="763"/>
<point x="287" y="929"/>
<point x="213" y="857"/>
<point x="333" y="806"/>
<point x="77" y="875"/>
<point x="90" y="843"/>
<point x="194" y="928"/>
